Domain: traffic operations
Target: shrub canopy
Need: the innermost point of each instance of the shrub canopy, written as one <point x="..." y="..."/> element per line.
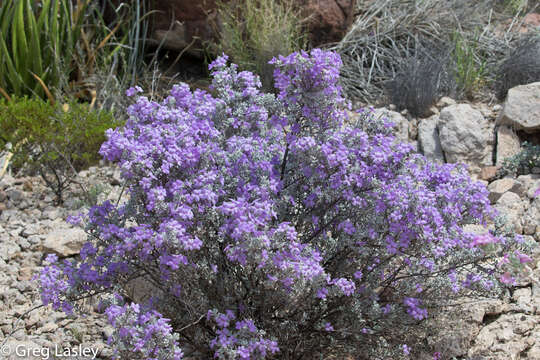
<point x="268" y="227"/>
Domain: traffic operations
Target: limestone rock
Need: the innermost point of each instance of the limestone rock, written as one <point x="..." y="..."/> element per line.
<point x="488" y="172"/>
<point x="498" y="187"/>
<point x="522" y="108"/>
<point x="466" y="136"/>
<point x="27" y="350"/>
<point x="64" y="241"/>
<point x="445" y="101"/>
<point x="503" y="338"/>
<point x="400" y="122"/>
<point x="508" y="144"/>
<point x="510" y="206"/>
<point x="428" y="139"/>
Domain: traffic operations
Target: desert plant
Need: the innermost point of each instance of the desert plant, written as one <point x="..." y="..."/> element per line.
<point x="54" y="141"/>
<point x="521" y="66"/>
<point x="37" y="40"/>
<point x="110" y="55"/>
<point x="421" y="82"/>
<point x="515" y="6"/>
<point x="264" y="227"/>
<point x="254" y="31"/>
<point x="469" y="65"/>
<point x="387" y="33"/>
<point x="522" y="163"/>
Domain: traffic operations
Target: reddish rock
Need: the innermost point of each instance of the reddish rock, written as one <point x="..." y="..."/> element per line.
<point x="531" y="22"/>
<point x="194" y="21"/>
<point x="328" y="19"/>
<point x="488" y="172"/>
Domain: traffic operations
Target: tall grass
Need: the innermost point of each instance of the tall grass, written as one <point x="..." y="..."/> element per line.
<point x="470" y="66"/>
<point x="111" y="53"/>
<point x="255" y="31"/>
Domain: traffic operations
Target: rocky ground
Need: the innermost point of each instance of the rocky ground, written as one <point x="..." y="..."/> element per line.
<point x="31" y="226"/>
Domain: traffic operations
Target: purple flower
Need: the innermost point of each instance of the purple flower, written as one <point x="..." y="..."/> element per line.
<point x="133" y="90"/>
<point x="523" y="258"/>
<point x="406" y="349"/>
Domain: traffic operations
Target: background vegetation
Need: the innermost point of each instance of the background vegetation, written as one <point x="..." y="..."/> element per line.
<point x="255" y="31"/>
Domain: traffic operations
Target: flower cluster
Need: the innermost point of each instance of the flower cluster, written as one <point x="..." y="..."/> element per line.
<point x="53" y="285"/>
<point x="239" y="339"/>
<point x="297" y="228"/>
<point x="145" y="334"/>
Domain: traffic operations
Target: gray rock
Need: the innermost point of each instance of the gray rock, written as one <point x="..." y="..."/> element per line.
<point x="522" y="108"/>
<point x="531" y="219"/>
<point x="8" y="249"/>
<point x="15" y="195"/>
<point x="512" y="208"/>
<point x="510" y="200"/>
<point x="413" y="129"/>
<point x="428" y="139"/>
<point x="531" y="182"/>
<point x="498" y="187"/>
<point x="400" y="122"/>
<point x="508" y="144"/>
<point x="445" y="101"/>
<point x="503" y="338"/>
<point x="466" y="136"/>
<point x="64" y="241"/>
<point x="27" y="350"/>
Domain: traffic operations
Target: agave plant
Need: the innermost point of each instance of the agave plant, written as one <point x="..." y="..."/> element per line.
<point x="37" y="42"/>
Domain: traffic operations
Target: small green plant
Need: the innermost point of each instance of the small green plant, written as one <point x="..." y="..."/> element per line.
<point x="37" y="41"/>
<point x="515" y="7"/>
<point x="255" y="31"/>
<point x="522" y="163"/>
<point x="53" y="141"/>
<point x="92" y="195"/>
<point x="470" y="68"/>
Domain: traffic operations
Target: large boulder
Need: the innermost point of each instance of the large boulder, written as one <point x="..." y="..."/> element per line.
<point x="466" y="136"/>
<point x="521" y="108"/>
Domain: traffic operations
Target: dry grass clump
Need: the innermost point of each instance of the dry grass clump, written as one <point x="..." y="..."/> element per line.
<point x="421" y="81"/>
<point x="521" y="66"/>
<point x="389" y="33"/>
<point x="255" y="31"/>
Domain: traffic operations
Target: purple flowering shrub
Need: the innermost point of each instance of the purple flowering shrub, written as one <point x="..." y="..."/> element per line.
<point x="266" y="226"/>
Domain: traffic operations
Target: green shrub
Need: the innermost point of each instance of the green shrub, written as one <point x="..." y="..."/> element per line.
<point x="522" y="163"/>
<point x="53" y="141"/>
<point x="255" y="31"/>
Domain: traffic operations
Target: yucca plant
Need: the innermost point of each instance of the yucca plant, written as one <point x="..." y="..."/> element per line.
<point x="37" y="41"/>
